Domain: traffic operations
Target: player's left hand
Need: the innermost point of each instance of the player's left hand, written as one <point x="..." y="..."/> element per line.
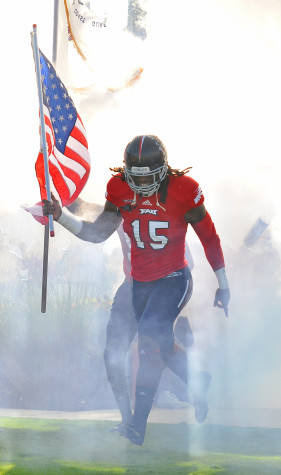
<point x="222" y="298"/>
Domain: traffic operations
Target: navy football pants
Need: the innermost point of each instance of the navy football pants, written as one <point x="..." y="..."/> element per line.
<point x="158" y="303"/>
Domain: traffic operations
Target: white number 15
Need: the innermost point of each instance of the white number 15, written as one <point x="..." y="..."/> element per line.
<point x="159" y="241"/>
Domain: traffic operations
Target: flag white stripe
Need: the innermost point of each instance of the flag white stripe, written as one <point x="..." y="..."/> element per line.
<point x="36" y="210"/>
<point x="70" y="163"/>
<point x="78" y="148"/>
<point x="80" y="126"/>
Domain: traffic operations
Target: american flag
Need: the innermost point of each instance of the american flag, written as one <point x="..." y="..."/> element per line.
<point x="68" y="155"/>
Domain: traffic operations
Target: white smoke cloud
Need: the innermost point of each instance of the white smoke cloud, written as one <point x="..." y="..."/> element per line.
<point x="210" y="89"/>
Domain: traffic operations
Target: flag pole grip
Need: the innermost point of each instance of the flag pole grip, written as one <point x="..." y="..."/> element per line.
<point x="44" y="146"/>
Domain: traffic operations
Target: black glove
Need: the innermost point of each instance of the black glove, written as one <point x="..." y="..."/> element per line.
<point x="221" y="299"/>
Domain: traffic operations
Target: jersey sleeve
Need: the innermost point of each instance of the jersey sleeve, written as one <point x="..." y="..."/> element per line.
<point x="191" y="193"/>
<point x="111" y="193"/>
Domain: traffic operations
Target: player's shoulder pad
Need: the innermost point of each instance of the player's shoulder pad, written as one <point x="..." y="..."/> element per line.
<point x="114" y="185"/>
<point x="186" y="188"/>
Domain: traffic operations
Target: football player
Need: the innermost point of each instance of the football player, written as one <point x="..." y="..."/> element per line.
<point x="122" y="326"/>
<point x="156" y="204"/>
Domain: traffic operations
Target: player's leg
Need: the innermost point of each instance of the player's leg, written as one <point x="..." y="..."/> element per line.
<point x="149" y="370"/>
<point x="178" y="289"/>
<point x="157" y="305"/>
<point x="172" y="391"/>
<point x="156" y="315"/>
<point x="148" y="377"/>
<point x="183" y="331"/>
<point x="120" y="332"/>
<point x="176" y="357"/>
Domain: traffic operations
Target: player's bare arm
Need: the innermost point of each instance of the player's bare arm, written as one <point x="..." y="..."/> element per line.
<point x="103" y="227"/>
<point x="195" y="215"/>
<point x="97" y="231"/>
<point x="86" y="210"/>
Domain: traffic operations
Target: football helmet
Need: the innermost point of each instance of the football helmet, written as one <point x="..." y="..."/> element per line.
<point x="145" y="164"/>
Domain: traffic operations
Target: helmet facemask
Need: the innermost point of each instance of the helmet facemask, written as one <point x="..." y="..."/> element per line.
<point x="144" y="181"/>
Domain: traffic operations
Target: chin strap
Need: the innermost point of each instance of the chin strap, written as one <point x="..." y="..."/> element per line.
<point x="135" y="199"/>
<point x="130" y="207"/>
<point x="157" y="202"/>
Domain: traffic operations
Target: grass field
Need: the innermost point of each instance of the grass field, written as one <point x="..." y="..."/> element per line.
<point x="44" y="446"/>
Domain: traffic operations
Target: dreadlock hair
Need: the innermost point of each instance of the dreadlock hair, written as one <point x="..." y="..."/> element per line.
<point x="119" y="170"/>
<point x="177" y="172"/>
<point x="164" y="185"/>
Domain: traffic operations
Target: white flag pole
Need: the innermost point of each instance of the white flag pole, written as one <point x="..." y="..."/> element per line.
<point x="44" y="148"/>
<point x="50" y="224"/>
<point x="55" y="32"/>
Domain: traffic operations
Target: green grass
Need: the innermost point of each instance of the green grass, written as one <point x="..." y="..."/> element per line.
<point x="42" y="446"/>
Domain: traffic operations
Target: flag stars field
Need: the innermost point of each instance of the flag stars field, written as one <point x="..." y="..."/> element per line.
<point x="56" y="102"/>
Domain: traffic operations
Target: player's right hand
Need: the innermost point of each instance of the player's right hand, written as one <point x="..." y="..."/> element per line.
<point x="52" y="207"/>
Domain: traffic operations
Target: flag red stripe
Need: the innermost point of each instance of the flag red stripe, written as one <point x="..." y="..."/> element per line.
<point x="78" y="135"/>
<point x="77" y="192"/>
<point x="69" y="173"/>
<point x="60" y="183"/>
<point x="48" y="121"/>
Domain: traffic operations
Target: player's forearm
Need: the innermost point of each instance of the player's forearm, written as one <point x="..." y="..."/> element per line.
<point x="98" y="231"/>
<point x="213" y="252"/>
<point x="85" y="209"/>
<point x="210" y="241"/>
<point x="206" y="231"/>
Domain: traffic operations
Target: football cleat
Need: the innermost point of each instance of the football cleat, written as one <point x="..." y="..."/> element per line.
<point x="116" y="428"/>
<point x="129" y="432"/>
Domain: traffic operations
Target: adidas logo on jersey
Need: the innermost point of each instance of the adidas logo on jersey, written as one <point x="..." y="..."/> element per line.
<point x="147" y="203"/>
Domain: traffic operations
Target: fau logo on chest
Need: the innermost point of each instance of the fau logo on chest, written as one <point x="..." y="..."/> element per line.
<point x="149" y="211"/>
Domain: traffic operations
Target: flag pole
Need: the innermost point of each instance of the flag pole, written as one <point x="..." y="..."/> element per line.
<point x="46" y="230"/>
<point x="45" y="269"/>
<point x="55" y="32"/>
<point x="44" y="147"/>
<point x="50" y="224"/>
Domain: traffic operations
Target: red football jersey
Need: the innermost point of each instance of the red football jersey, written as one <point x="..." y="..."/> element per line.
<point x="157" y="231"/>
